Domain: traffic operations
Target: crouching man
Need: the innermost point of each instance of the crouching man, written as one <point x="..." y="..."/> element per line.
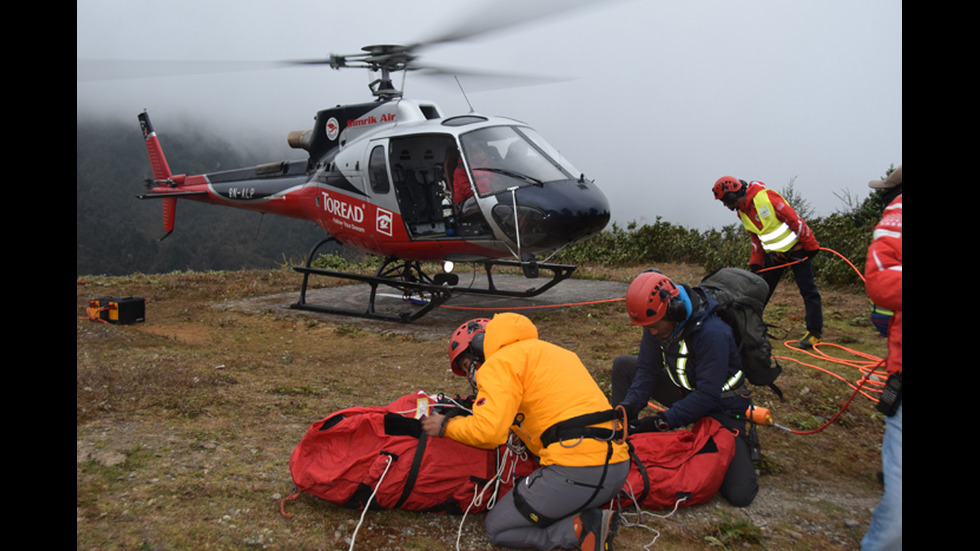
<point x="545" y="395"/>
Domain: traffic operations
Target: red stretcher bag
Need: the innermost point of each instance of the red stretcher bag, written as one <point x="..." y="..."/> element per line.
<point x="379" y="456"/>
<point x="682" y="468"/>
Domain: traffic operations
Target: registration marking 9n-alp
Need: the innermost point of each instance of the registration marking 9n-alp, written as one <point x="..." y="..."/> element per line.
<point x="243" y="193"/>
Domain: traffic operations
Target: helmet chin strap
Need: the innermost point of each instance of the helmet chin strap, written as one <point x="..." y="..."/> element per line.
<point x="471" y="374"/>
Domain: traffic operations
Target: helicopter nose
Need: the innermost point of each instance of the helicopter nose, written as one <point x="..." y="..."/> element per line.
<point x="552" y="215"/>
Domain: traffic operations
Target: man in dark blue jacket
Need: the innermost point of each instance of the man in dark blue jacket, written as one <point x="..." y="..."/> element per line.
<point x="688" y="361"/>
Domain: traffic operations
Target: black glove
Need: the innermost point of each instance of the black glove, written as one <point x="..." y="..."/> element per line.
<point x="808" y="255"/>
<point x="655" y="423"/>
<point x="780" y="258"/>
<point x="631" y="411"/>
<point x="754" y="268"/>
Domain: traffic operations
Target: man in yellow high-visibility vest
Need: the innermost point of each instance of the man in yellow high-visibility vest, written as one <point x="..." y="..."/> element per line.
<point x="780" y="240"/>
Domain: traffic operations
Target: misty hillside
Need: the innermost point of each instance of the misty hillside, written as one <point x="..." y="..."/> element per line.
<point x="116" y="233"/>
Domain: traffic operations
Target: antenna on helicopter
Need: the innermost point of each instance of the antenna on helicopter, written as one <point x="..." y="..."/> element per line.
<point x="465" y="97"/>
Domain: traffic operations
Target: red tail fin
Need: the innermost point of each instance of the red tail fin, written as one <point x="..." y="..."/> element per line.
<point x="169" y="214"/>
<point x="161" y="171"/>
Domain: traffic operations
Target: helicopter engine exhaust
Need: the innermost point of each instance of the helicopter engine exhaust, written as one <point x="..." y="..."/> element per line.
<point x="300" y="139"/>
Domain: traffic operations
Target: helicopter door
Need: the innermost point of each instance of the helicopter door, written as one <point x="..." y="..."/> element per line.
<point x="421" y="168"/>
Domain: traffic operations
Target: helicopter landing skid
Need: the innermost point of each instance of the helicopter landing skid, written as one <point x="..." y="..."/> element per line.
<point x="530" y="268"/>
<point x="432" y="296"/>
<point x="420" y="289"/>
<point x="404" y="276"/>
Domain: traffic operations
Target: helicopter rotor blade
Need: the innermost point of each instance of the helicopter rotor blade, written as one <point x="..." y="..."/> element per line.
<point x="502" y="15"/>
<point x="485" y="79"/>
<point x="493" y="17"/>
<point x="394" y="56"/>
<point x="116" y="69"/>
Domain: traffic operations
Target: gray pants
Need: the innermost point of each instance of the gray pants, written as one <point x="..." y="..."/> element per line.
<point x="554" y="492"/>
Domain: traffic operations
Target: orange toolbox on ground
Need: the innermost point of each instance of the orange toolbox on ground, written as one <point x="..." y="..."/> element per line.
<point x="123" y="311"/>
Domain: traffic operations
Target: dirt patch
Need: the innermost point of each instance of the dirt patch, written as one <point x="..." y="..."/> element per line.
<point x="185" y="423"/>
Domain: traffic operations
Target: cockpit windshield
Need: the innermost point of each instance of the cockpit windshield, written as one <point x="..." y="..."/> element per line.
<point x="503" y="157"/>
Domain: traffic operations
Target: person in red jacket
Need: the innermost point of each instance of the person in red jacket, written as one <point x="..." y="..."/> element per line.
<point x="780" y="239"/>
<point x="479" y="157"/>
<point x="883" y="280"/>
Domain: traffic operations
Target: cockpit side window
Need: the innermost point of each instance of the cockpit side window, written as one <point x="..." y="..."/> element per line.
<point x="378" y="171"/>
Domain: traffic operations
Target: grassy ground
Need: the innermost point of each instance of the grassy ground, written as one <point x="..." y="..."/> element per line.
<point x="185" y="423"/>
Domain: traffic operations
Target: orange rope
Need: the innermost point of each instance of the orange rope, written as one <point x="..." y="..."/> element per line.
<point x="282" y="504"/>
<point x="94" y="314"/>
<point x="869" y="366"/>
<point x="533" y="307"/>
<point x="844" y="258"/>
<point x="849" y="263"/>
<point x="835" y="417"/>
<point x="777" y="266"/>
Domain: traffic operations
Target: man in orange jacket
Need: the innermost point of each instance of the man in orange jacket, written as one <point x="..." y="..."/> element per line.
<point x="543" y="394"/>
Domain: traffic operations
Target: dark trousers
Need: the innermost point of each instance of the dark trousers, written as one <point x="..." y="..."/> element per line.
<point x="740" y="485"/>
<point x="803" y="275"/>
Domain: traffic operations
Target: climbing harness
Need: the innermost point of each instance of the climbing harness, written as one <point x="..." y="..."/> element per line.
<point x="579" y="427"/>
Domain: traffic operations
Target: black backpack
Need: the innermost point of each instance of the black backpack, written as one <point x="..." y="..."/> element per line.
<point x="742" y="297"/>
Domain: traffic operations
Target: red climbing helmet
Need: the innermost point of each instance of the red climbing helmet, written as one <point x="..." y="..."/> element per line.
<point x="468" y="338"/>
<point x="651" y="296"/>
<point x="729" y="189"/>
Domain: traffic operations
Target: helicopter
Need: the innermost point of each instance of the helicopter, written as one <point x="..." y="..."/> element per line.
<point x="397" y="178"/>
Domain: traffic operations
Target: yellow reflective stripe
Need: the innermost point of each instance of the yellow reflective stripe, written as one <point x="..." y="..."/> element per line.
<point x="680" y="371"/>
<point x="775" y="235"/>
<point x="682" y="367"/>
<point x="879" y="310"/>
<point x="732" y="382"/>
<point x="779" y="239"/>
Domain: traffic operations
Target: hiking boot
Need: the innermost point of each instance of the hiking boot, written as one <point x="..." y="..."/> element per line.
<point x="592" y="527"/>
<point x="808" y="340"/>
